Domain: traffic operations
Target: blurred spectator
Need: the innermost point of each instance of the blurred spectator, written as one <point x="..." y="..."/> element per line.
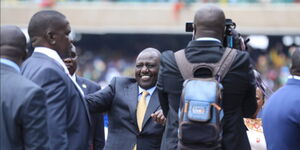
<point x="281" y="115"/>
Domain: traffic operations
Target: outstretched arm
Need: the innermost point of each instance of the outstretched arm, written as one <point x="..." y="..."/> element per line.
<point x="101" y="100"/>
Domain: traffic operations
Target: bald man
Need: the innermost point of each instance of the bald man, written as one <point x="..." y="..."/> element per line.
<point x="67" y="113"/>
<point x="239" y="86"/>
<point x="22" y="104"/>
<point x="133" y="107"/>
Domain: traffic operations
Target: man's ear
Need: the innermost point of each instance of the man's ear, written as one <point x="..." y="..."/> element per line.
<point x="194" y="32"/>
<point x="50" y="37"/>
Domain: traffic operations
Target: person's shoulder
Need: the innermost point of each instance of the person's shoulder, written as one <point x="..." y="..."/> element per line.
<point x="167" y="55"/>
<point x="242" y="55"/>
<point x="41" y="62"/>
<point x="21" y="91"/>
<point x="168" y="58"/>
<point x="242" y="59"/>
<point x="124" y="80"/>
<point x="25" y="84"/>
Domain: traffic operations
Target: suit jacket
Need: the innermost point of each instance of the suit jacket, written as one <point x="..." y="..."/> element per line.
<point x="120" y="99"/>
<point x="22" y="113"/>
<point x="67" y="112"/>
<point x="238" y="94"/>
<point x="97" y="131"/>
<point x="281" y="117"/>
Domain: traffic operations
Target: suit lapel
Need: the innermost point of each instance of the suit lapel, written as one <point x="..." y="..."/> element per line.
<point x="80" y="82"/>
<point x="152" y="106"/>
<point x="43" y="56"/>
<point x="82" y="85"/>
<point x="132" y="98"/>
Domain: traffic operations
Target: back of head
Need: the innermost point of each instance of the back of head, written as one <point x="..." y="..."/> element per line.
<point x="40" y="23"/>
<point x="295" y="68"/>
<point x="209" y="21"/>
<point x="13" y="44"/>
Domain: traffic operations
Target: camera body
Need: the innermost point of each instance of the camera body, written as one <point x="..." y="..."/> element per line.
<point x="232" y="38"/>
<point x="229" y="33"/>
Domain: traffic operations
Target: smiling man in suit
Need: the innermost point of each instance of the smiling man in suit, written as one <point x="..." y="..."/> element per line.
<point x="67" y="112"/>
<point x="96" y="140"/>
<point x="133" y="107"/>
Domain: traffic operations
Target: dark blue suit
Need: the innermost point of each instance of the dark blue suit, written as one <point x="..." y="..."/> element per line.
<point x="281" y="118"/>
<point x="97" y="131"/>
<point x="67" y="114"/>
<point x="22" y="113"/>
<point x="120" y="99"/>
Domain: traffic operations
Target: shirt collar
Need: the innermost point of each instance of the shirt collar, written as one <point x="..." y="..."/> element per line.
<point x="10" y="63"/>
<point x="208" y="39"/>
<point x="73" y="77"/>
<point x="150" y="91"/>
<point x="52" y="54"/>
<point x="294" y="77"/>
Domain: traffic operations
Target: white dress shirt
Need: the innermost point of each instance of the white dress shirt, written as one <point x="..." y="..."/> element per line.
<point x="294" y="77"/>
<point x="54" y="55"/>
<point x="208" y="39"/>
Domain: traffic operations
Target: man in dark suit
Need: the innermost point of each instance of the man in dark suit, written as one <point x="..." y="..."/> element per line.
<point x="130" y="104"/>
<point x="67" y="112"/>
<point x="22" y="104"/>
<point x="281" y="114"/>
<point x="239" y="86"/>
<point x="96" y="140"/>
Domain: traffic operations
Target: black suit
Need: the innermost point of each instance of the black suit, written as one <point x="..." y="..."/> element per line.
<point x="67" y="113"/>
<point x="120" y="99"/>
<point x="238" y="97"/>
<point x="97" y="132"/>
<point x="22" y="113"/>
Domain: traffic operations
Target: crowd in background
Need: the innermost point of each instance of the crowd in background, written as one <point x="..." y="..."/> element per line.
<point x="171" y="1"/>
<point x="271" y="63"/>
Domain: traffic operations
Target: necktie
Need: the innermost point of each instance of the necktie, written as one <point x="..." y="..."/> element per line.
<point x="141" y="109"/>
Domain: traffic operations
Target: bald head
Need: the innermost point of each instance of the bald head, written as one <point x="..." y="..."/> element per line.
<point x="153" y="52"/>
<point x="295" y="69"/>
<point x="13" y="44"/>
<point x="209" y="21"/>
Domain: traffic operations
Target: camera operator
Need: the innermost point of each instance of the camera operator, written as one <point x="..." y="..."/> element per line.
<point x="239" y="84"/>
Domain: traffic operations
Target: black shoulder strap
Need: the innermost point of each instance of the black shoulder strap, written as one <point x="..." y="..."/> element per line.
<point x="219" y="69"/>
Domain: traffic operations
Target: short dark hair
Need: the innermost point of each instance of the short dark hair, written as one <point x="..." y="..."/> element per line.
<point x="295" y="68"/>
<point x="13" y="43"/>
<point x="43" y="20"/>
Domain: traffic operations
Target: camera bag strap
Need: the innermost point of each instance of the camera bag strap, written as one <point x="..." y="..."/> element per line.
<point x="218" y="69"/>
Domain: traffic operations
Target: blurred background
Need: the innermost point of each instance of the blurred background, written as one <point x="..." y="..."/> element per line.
<point x="109" y="34"/>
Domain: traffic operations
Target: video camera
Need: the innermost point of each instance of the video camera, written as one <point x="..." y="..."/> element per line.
<point x="232" y="38"/>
